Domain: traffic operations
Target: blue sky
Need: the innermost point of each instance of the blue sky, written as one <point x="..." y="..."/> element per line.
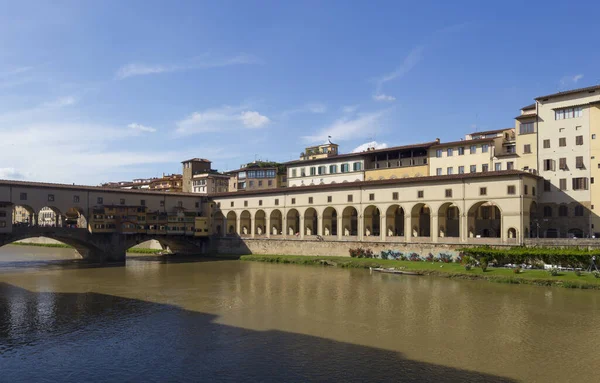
<point x="115" y="90"/>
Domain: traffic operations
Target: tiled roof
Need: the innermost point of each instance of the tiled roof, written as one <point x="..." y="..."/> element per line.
<point x="196" y="160"/>
<point x="572" y="91"/>
<point x="529" y="107"/>
<point x="490" y="131"/>
<point x="523" y="116"/>
<point x="464" y="142"/>
<point x="397" y="181"/>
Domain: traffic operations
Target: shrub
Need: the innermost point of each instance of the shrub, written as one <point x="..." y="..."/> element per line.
<point x="578" y="273"/>
<point x="596" y="274"/>
<point x="414" y="257"/>
<point x="466" y="260"/>
<point x="483" y="262"/>
<point x="359" y="252"/>
<point x="519" y="255"/>
<point x="468" y="266"/>
<point x="444" y="258"/>
<point x="517" y="270"/>
<point x="553" y="271"/>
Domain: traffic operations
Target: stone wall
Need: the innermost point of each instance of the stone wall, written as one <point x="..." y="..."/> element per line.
<point x="152" y="244"/>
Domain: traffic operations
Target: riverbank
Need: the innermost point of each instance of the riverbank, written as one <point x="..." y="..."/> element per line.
<point x="133" y="250"/>
<point x="537" y="277"/>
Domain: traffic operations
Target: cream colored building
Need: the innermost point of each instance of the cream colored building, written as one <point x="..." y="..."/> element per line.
<point x="557" y="139"/>
<point x="478" y="208"/>
<point x="206" y="183"/>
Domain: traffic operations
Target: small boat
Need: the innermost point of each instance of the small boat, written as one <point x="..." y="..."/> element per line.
<point x="393" y="271"/>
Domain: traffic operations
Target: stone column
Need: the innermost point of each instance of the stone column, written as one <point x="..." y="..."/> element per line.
<point x="361" y="227"/>
<point x="320" y="225"/>
<point x="435" y="228"/>
<point x="407" y="227"/>
<point x="268" y="225"/>
<point x="383" y="227"/>
<point x="464" y="227"/>
<point x="284" y="225"/>
<point x="238" y="225"/>
<point x="302" y="228"/>
<point x="340" y="229"/>
<point x="252" y="225"/>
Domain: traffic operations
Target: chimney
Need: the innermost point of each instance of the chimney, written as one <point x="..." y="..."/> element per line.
<point x="437" y="140"/>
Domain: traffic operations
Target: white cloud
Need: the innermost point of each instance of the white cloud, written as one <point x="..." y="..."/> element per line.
<point x="349" y="109"/>
<point x="11" y="174"/>
<point x="410" y="61"/>
<point x="220" y="119"/>
<point x="347" y="128"/>
<point x="315" y="108"/>
<point x="577" y="77"/>
<point x="369" y="145"/>
<point x="383" y="97"/>
<point x="203" y="62"/>
<point x="568" y="81"/>
<point x="254" y="119"/>
<point x="60" y="102"/>
<point x="141" y="128"/>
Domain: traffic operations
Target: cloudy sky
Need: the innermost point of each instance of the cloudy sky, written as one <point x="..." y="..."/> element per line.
<point x="113" y="90"/>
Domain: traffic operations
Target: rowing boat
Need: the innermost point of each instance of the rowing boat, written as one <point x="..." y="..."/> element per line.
<point x="393" y="271"/>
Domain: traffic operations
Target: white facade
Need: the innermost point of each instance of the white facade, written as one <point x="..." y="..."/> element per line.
<point x="326" y="171"/>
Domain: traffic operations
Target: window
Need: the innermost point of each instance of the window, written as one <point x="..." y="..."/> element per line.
<point x="527" y="148"/>
<point x="357" y="166"/>
<point x="371" y="197"/>
<point x="322" y="170"/>
<point x="260" y="183"/>
<point x="546" y="144"/>
<point x="251" y="183"/>
<point x="179" y="203"/>
<point x="143" y="202"/>
<point x="162" y="203"/>
<point x="276" y="201"/>
<point x="547" y="186"/>
<point x="76" y="199"/>
<point x="562" y="184"/>
<point x="2" y="214"/>
<point x="122" y="201"/>
<point x="313" y="171"/>
<point x="473" y="149"/>
<point x="482" y="191"/>
<point x="197" y="205"/>
<point x="549" y="165"/>
<point x="562" y="163"/>
<point x="562" y="141"/>
<point x="580" y="183"/>
<point x="293" y="201"/>
<point x="2" y="224"/>
<point x="525" y="189"/>
<point x="231" y="203"/>
<point x="260" y="202"/>
<point x="438" y="153"/>
<point x="485" y="167"/>
<point x="578" y="112"/>
<point x="484" y="148"/>
<point x="420" y="193"/>
<point x="332" y="169"/>
<point x="461" y="151"/>
<point x="50" y="197"/>
<point x="349" y="197"/>
<point x="23" y="196"/>
<point x="563" y="211"/>
<point x="579" y="211"/>
<point x="533" y="190"/>
<point x="593" y="136"/>
<point x="245" y="203"/>
<point x="461" y="170"/>
<point x="329" y="199"/>
<point x="438" y="171"/>
<point x="448" y="193"/>
<point x="395" y="196"/>
<point x="100" y="200"/>
<point x="498" y="166"/>
<point x="270" y="182"/>
<point x="473" y="168"/>
<point x="547" y="211"/>
<point x="579" y="162"/>
<point x="450" y="152"/>
<point x="449" y="170"/>
<point x="294" y="173"/>
<point x="579" y="140"/>
<point x="526" y="128"/>
<point x="510" y="165"/>
<point x="345" y="168"/>
<point x="310" y="200"/>
<point x="511" y="190"/>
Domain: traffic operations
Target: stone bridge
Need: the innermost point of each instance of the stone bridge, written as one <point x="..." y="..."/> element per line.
<point x="104" y="247"/>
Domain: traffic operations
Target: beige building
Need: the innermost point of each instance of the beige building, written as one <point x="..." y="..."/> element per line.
<point x="199" y="177"/>
<point x="257" y="175"/>
<point x="557" y="139"/>
<point x="462" y="208"/>
<point x="168" y="183"/>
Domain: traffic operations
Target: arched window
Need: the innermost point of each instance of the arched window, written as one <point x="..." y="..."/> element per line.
<point x="547" y="211"/>
<point x="579" y="211"/>
<point x="563" y="211"/>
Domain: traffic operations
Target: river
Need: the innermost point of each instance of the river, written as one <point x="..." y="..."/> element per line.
<point x="158" y="319"/>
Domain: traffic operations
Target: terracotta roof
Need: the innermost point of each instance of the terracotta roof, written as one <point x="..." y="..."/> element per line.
<point x="572" y="91"/>
<point x="397" y="181"/>
<point x="491" y="131"/>
<point x="464" y="142"/>
<point x="196" y="160"/>
<point x="47" y="185"/>
<point x="523" y="116"/>
<point x="424" y="145"/>
<point x="529" y="107"/>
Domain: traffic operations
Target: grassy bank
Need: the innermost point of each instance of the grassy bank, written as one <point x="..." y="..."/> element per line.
<point x="448" y="270"/>
<point x="65" y="246"/>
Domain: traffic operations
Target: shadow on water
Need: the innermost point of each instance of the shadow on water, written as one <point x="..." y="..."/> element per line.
<point x="73" y="337"/>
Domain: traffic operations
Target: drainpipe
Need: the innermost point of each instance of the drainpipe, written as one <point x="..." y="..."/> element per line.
<point x="521" y="237"/>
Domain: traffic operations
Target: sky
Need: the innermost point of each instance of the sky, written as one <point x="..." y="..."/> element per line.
<point x="98" y="91"/>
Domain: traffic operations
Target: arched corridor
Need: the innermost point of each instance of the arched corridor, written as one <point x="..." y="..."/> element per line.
<point x="421" y="220"/>
<point x="232" y="223"/>
<point x="449" y="220"/>
<point x="220" y="224"/>
<point x="310" y="222"/>
<point x="276" y="223"/>
<point x="245" y="223"/>
<point x="350" y="221"/>
<point x="485" y="220"/>
<point x="260" y="223"/>
<point x="330" y="222"/>
<point x="24" y="215"/>
<point x="372" y="221"/>
<point x="395" y="221"/>
<point x="293" y="222"/>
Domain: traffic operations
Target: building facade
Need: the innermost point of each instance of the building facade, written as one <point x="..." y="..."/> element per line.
<point x="257" y="175"/>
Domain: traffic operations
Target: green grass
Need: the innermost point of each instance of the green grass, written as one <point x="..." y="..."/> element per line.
<point x="56" y="245"/>
<point x="449" y="270"/>
<point x="143" y="251"/>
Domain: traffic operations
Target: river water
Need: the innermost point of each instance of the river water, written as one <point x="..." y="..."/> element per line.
<point x="158" y="319"/>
